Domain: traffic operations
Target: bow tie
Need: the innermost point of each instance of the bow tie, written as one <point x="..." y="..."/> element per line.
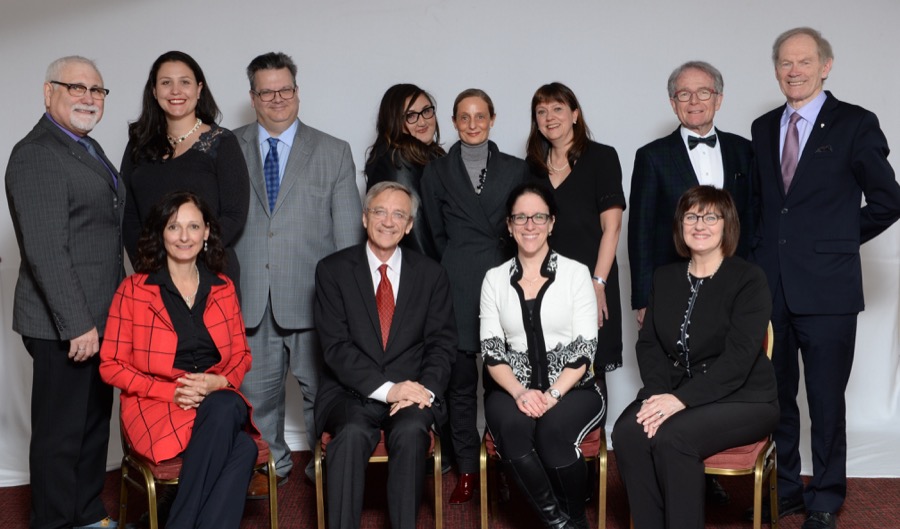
<point x="693" y="141"/>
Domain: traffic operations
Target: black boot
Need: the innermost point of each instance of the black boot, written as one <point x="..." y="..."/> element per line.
<point x="532" y="480"/>
<point x="570" y="484"/>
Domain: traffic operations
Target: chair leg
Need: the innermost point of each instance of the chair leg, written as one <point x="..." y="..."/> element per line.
<point x="601" y="486"/>
<point x="320" y="491"/>
<point x="773" y="490"/>
<point x="757" y="495"/>
<point x="483" y="479"/>
<point x="438" y="484"/>
<point x="123" y="493"/>
<point x="273" y="493"/>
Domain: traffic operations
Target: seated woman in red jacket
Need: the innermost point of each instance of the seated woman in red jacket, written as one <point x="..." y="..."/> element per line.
<point x="176" y="349"/>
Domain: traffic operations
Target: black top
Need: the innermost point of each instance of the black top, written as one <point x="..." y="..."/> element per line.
<point x="196" y="352"/>
<point x="390" y="166"/>
<point x="213" y="168"/>
<point x="593" y="186"/>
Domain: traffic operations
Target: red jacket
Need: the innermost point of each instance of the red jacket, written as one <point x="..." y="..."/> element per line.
<point x="138" y="354"/>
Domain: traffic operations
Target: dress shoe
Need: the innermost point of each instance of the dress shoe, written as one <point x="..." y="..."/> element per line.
<point x="820" y="520"/>
<point x="715" y="492"/>
<point x="465" y="488"/>
<point x="786" y="506"/>
<point x="109" y="523"/>
<point x="259" y="486"/>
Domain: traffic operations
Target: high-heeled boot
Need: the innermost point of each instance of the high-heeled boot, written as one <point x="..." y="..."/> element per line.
<point x="570" y="485"/>
<point x="529" y="474"/>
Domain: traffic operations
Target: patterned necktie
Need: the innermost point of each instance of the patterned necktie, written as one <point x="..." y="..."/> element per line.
<point x="790" y="156"/>
<point x="86" y="143"/>
<point x="693" y="141"/>
<point x="384" y="299"/>
<point x="270" y="171"/>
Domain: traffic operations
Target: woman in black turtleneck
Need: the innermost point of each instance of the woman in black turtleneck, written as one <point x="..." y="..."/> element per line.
<point x="463" y="198"/>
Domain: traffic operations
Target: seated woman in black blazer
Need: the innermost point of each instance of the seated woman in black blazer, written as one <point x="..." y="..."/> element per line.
<point x="708" y="384"/>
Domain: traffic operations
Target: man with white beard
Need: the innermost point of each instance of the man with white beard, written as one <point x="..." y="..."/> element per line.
<point x="66" y="205"/>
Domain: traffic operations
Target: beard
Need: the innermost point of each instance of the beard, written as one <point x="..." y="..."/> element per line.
<point x="84" y="122"/>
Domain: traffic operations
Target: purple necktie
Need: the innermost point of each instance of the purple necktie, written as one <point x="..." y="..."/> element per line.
<point x="270" y="172"/>
<point x="791" y="153"/>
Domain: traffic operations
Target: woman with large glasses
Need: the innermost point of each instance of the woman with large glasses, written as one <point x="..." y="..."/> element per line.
<point x="176" y="145"/>
<point x="707" y="383"/>
<point x="462" y="198"/>
<point x="408" y="137"/>
<point x="538" y="339"/>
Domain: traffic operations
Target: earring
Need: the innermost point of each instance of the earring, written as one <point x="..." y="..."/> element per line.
<point x="575" y="122"/>
<point x="205" y="245"/>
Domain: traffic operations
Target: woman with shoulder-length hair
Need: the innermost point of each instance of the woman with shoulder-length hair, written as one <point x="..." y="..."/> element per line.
<point x="407" y="138"/>
<point x="463" y="196"/>
<point x="176" y="145"/>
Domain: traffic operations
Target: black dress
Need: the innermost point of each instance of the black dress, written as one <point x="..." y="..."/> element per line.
<point x="213" y="168"/>
<point x="593" y="186"/>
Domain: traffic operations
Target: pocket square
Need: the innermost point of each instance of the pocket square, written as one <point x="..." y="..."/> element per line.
<point x="824" y="148"/>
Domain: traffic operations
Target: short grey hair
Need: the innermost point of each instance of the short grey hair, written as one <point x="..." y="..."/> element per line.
<point x="389" y="185"/>
<point x="56" y="67"/>
<point x="705" y="67"/>
<point x="824" y="47"/>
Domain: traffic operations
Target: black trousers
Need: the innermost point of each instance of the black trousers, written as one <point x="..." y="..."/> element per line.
<point x="462" y="407"/>
<point x="356" y="428"/>
<point x="555" y="436"/>
<point x="217" y="466"/>
<point x="70" y="412"/>
<point x="664" y="475"/>
<point x="827" y="344"/>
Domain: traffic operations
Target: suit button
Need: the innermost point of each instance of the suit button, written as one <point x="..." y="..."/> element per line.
<point x="267" y="266"/>
<point x="271" y="234"/>
<point x="784" y="211"/>
<point x="782" y="241"/>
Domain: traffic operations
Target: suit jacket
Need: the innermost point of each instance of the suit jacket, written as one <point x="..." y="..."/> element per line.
<point x="67" y="215"/>
<point x="317" y="212"/>
<point x="469" y="230"/>
<point x="421" y="344"/>
<point x="727" y="328"/>
<point x="808" y="238"/>
<point x="138" y="356"/>
<point x="662" y="173"/>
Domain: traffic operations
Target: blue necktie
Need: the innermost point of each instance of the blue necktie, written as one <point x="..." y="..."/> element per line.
<point x="86" y="143"/>
<point x="270" y="170"/>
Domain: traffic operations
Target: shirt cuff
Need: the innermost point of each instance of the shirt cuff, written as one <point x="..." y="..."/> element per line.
<point x="381" y="392"/>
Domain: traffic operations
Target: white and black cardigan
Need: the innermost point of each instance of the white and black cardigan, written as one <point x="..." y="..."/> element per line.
<point x="562" y="332"/>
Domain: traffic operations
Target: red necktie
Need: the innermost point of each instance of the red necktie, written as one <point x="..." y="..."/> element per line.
<point x="384" y="299"/>
<point x="790" y="155"/>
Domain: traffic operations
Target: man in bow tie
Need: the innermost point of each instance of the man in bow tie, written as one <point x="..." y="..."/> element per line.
<point x="816" y="159"/>
<point x="696" y="153"/>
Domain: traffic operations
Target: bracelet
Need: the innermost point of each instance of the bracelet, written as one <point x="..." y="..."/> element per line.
<point x="599" y="280"/>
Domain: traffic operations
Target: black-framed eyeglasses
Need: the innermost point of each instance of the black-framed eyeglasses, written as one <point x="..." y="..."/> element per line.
<point x="381" y="214"/>
<point x="412" y="116"/>
<point x="702" y="95"/>
<point x="710" y="220"/>
<point x="269" y="95"/>
<point x="78" y="90"/>
<point x="521" y="219"/>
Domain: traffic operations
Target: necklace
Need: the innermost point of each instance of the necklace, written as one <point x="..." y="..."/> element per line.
<point x="710" y="276"/>
<point x="532" y="281"/>
<point x="190" y="299"/>
<point x="553" y="168"/>
<point x="176" y="141"/>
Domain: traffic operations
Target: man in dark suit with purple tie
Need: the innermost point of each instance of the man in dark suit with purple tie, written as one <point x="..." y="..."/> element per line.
<point x="385" y="321"/>
<point x="816" y="159"/>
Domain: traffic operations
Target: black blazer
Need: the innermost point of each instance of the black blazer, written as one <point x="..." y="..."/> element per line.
<point x="662" y="173"/>
<point x="421" y="344"/>
<point x="727" y="329"/>
<point x="808" y="239"/>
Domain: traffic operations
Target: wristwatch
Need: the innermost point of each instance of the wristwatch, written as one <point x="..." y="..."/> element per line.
<point x="555" y="393"/>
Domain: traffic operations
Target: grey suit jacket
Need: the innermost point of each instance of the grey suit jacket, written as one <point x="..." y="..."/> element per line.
<point x="318" y="212"/>
<point x="67" y="216"/>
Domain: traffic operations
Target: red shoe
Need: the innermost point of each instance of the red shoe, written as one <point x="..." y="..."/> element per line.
<point x="465" y="489"/>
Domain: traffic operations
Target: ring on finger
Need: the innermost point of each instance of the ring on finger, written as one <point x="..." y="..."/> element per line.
<point x="661" y="414"/>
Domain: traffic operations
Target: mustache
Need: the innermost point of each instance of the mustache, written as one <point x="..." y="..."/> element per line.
<point x="88" y="108"/>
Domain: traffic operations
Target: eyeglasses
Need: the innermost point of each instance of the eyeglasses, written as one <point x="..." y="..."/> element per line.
<point x="690" y="219"/>
<point x="382" y="214"/>
<point x="539" y="219"/>
<point x="78" y="90"/>
<point x="412" y="116"/>
<point x="269" y="95"/>
<point x="702" y="95"/>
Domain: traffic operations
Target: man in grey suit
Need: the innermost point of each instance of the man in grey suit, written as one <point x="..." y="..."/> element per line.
<point x="304" y="205"/>
<point x="66" y="206"/>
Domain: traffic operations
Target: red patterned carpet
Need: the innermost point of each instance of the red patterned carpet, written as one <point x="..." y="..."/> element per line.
<point x="871" y="504"/>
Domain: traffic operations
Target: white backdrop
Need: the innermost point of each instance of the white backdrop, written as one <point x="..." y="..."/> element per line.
<point x="615" y="55"/>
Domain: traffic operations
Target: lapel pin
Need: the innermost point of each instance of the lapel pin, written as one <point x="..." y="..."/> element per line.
<point x="821" y="125"/>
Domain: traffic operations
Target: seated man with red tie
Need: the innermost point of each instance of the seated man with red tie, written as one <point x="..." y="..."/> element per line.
<point x="385" y="321"/>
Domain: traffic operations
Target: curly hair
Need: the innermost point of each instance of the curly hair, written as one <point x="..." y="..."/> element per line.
<point x="391" y="132"/>
<point x="538" y="146"/>
<point x="151" y="249"/>
<point x="148" y="134"/>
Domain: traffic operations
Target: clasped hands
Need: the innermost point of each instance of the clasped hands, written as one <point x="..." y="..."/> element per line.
<point x="534" y="403"/>
<point x="408" y="393"/>
<point x="192" y="388"/>
<point x="656" y="410"/>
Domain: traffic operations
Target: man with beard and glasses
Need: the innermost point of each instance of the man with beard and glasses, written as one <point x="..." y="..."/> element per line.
<point x="66" y="205"/>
